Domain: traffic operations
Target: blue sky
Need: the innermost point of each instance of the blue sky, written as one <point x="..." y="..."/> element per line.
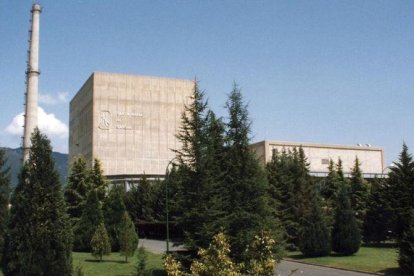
<point x="338" y="72"/>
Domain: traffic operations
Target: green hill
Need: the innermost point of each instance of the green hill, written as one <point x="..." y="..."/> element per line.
<point x="14" y="161"/>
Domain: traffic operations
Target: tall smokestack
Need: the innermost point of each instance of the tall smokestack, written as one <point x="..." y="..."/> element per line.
<point x="32" y="81"/>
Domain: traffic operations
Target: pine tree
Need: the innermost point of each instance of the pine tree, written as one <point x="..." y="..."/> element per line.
<point x="199" y="168"/>
<point x="140" y="201"/>
<point x="314" y="238"/>
<point x="377" y="220"/>
<point x="91" y="217"/>
<point x="346" y="236"/>
<point x="40" y="237"/>
<point x="79" y="185"/>
<point x="281" y="175"/>
<point x="401" y="191"/>
<point x="247" y="202"/>
<point x="128" y="238"/>
<point x="406" y="247"/>
<point x="329" y="192"/>
<point x="99" y="182"/>
<point x="313" y="235"/>
<point x="359" y="193"/>
<point x="113" y="209"/>
<point x="4" y="200"/>
<point x="100" y="243"/>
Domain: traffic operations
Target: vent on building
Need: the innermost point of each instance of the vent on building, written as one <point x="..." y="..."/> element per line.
<point x="325" y="161"/>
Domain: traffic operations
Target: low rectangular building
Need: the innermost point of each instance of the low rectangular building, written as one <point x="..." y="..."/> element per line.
<point x="319" y="155"/>
<point x="128" y="122"/>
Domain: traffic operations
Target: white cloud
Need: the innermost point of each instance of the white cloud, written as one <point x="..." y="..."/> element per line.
<point x="48" y="124"/>
<point x="61" y="97"/>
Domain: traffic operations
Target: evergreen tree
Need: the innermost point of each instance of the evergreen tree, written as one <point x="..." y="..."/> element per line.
<point x="4" y="200"/>
<point x="40" y="237"/>
<point x="406" y="248"/>
<point x="378" y="216"/>
<point x="91" y="217"/>
<point x="314" y="236"/>
<point x="215" y="260"/>
<point x="140" y="201"/>
<point x="128" y="238"/>
<point x="113" y="209"/>
<point x="281" y="175"/>
<point x="79" y="185"/>
<point x="329" y="192"/>
<point x="98" y="179"/>
<point x="401" y="191"/>
<point x="247" y="202"/>
<point x="201" y="137"/>
<point x="359" y="193"/>
<point x="346" y="236"/>
<point x="100" y="243"/>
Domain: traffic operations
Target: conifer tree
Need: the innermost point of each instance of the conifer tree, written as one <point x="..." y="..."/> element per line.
<point x="4" y="200"/>
<point x="247" y="203"/>
<point x="100" y="243"/>
<point x="40" y="236"/>
<point x="79" y="185"/>
<point x="359" y="193"/>
<point x="401" y="191"/>
<point x="197" y="160"/>
<point x="377" y="220"/>
<point x="140" y="201"/>
<point x="329" y="192"/>
<point x="314" y="236"/>
<point x="281" y="175"/>
<point x="91" y="217"/>
<point x="113" y="209"/>
<point x="98" y="179"/>
<point x="406" y="247"/>
<point x="346" y="236"/>
<point x="128" y="238"/>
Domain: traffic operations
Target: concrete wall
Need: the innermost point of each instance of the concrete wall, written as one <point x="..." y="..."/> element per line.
<point x="134" y="121"/>
<point x="371" y="159"/>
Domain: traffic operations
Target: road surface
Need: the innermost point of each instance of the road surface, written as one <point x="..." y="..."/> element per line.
<point x="285" y="268"/>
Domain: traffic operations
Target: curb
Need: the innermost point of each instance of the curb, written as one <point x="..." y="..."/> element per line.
<point x="328" y="266"/>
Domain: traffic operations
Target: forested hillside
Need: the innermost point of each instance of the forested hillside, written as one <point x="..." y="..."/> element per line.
<point x="14" y="156"/>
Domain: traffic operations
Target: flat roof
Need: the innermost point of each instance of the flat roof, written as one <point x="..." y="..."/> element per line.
<point x="315" y="145"/>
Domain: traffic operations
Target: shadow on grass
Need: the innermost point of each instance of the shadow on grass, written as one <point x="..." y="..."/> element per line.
<point x="158" y="272"/>
<point x="381" y="245"/>
<point x="394" y="271"/>
<point x="105" y="261"/>
<point x="299" y="256"/>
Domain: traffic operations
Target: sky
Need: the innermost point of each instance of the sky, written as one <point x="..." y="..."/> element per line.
<point x="334" y="72"/>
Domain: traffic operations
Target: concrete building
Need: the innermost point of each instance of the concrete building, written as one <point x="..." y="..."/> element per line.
<point x="371" y="158"/>
<point x="128" y="122"/>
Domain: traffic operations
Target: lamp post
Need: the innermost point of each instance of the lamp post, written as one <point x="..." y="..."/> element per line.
<point x="166" y="205"/>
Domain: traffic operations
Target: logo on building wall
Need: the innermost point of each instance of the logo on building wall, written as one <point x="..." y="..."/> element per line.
<point x="105" y="120"/>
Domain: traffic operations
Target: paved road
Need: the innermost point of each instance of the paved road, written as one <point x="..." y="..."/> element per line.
<point x="285" y="268"/>
<point x="157" y="246"/>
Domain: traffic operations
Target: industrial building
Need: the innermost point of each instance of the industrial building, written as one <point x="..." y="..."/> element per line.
<point x="128" y="122"/>
<point x="319" y="155"/>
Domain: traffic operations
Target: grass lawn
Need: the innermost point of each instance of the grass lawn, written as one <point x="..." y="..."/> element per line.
<point x="114" y="264"/>
<point x="371" y="259"/>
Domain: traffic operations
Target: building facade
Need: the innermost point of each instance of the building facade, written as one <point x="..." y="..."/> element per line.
<point x="128" y="122"/>
<point x="319" y="155"/>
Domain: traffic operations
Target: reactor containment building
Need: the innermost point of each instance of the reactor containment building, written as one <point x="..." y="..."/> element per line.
<point x="129" y="123"/>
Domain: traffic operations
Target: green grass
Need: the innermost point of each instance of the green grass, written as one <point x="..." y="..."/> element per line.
<point x="114" y="264"/>
<point x="371" y="259"/>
